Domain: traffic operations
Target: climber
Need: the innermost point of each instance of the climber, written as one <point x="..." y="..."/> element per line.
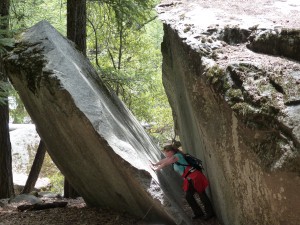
<point x="194" y="181"/>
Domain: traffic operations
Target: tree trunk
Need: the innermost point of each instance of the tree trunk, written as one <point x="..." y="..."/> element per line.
<point x="76" y="32"/>
<point x="35" y="169"/>
<point x="76" y="23"/>
<point x="69" y="191"/>
<point x="6" y="177"/>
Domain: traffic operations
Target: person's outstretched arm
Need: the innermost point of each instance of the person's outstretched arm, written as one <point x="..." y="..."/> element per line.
<point x="164" y="162"/>
<point x="159" y="162"/>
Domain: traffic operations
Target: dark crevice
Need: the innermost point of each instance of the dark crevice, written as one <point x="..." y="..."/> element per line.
<point x="292" y="103"/>
<point x="235" y="35"/>
<point x="277" y="87"/>
<point x="235" y="77"/>
<point x="284" y="44"/>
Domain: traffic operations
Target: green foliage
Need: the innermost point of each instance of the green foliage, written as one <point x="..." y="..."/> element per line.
<point x="57" y="182"/>
<point x="5" y="36"/>
<point x="4" y="90"/>
<point x="5" y="42"/>
<point x="125" y="48"/>
<point x="17" y="112"/>
<point x="123" y="42"/>
<point x="26" y="13"/>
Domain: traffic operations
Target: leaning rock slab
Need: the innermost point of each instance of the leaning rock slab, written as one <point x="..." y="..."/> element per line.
<point x="90" y="135"/>
<point x="231" y="72"/>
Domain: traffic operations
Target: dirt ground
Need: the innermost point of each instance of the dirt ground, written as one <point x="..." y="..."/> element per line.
<point x="75" y="213"/>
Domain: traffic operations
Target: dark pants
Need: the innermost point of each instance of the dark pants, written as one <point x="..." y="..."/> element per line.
<point x="205" y="208"/>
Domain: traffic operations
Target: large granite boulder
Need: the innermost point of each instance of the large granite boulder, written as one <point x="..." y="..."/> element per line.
<point x="24" y="143"/>
<point x="232" y="75"/>
<point x="90" y="135"/>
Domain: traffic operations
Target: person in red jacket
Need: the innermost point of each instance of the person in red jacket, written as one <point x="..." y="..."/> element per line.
<point x="194" y="181"/>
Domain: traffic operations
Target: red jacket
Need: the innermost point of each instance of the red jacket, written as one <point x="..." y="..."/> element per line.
<point x="199" y="179"/>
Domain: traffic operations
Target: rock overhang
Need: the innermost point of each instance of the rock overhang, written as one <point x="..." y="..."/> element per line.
<point x="227" y="36"/>
<point x="203" y="25"/>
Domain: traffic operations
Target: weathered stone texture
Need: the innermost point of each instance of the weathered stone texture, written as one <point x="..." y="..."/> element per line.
<point x="236" y="109"/>
<point x="90" y="135"/>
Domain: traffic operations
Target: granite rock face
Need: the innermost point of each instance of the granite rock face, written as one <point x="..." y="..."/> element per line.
<point x="90" y="135"/>
<point x="232" y="75"/>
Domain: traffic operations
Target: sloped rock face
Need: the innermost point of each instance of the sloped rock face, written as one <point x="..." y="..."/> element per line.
<point x="90" y="135"/>
<point x="236" y="108"/>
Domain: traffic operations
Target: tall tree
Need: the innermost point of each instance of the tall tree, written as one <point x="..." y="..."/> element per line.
<point x="76" y="23"/>
<point x="6" y="178"/>
<point x="76" y="32"/>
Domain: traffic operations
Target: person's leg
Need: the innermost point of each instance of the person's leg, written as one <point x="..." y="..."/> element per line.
<point x="207" y="207"/>
<point x="189" y="195"/>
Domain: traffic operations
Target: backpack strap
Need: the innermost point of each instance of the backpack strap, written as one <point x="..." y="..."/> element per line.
<point x="192" y="169"/>
<point x="178" y="163"/>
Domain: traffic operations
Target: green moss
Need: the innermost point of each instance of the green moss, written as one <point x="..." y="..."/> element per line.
<point x="244" y="109"/>
<point x="235" y="95"/>
<point x="215" y="73"/>
<point x="226" y="85"/>
<point x="32" y="62"/>
<point x="216" y="76"/>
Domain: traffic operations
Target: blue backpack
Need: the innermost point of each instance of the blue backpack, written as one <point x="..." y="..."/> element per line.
<point x="192" y="161"/>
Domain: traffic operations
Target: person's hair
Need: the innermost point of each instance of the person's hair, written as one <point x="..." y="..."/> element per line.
<point x="168" y="148"/>
<point x="176" y="144"/>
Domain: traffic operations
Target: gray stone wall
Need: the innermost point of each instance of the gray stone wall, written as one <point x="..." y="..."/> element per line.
<point x="230" y="107"/>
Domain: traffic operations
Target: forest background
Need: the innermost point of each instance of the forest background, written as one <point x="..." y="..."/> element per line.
<point x="122" y="42"/>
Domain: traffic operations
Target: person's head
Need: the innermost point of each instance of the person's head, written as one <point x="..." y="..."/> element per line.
<point x="169" y="150"/>
<point x="176" y="144"/>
